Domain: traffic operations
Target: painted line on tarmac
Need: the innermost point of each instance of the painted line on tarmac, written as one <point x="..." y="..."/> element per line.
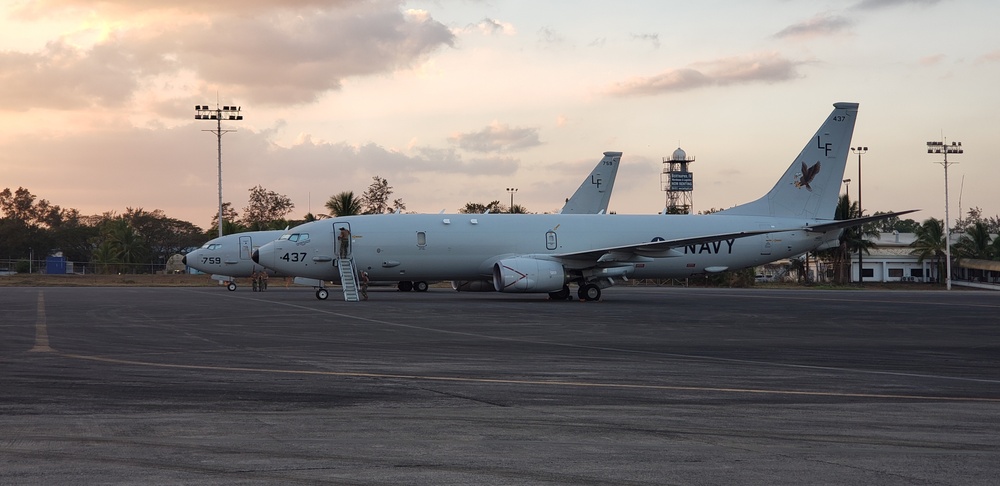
<point x="41" y="328"/>
<point x="547" y="383"/>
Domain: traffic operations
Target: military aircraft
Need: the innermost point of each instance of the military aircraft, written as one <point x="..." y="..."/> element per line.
<point x="228" y="257"/>
<point x="543" y="253"/>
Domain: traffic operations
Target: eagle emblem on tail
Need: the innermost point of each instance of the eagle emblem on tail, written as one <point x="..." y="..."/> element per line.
<point x="806" y="176"/>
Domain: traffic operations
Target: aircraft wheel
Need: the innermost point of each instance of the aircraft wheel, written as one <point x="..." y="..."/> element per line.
<point x="405" y="286"/>
<point x="322" y="294"/>
<point x="590" y="292"/>
<point x="420" y="286"/>
<point x="562" y="294"/>
<point x="231" y="286"/>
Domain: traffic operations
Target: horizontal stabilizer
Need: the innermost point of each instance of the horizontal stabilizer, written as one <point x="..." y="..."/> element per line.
<point x="850" y="223"/>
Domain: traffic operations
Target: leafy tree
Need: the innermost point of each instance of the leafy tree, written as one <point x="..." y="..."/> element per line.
<point x="518" y="209"/>
<point x="930" y="242"/>
<point x="975" y="215"/>
<point x="266" y="209"/>
<point x="344" y="204"/>
<point x="479" y="208"/>
<point x="888" y="225"/>
<point x="230" y="222"/>
<point x="375" y="199"/>
<point x="40" y="225"/>
<point x="164" y="236"/>
<point x="19" y="205"/>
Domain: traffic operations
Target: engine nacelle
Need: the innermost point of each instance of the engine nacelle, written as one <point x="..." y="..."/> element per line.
<point x="528" y="275"/>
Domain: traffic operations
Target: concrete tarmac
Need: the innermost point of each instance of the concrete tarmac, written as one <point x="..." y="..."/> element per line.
<point x="648" y="386"/>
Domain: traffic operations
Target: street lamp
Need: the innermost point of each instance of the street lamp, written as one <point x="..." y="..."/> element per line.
<point x="945" y="149"/>
<point x="203" y="112"/>
<point x="848" y="182"/>
<point x="861" y="213"/>
<point x="511" y="191"/>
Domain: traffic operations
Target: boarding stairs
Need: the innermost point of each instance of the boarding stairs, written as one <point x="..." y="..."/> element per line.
<point x="348" y="279"/>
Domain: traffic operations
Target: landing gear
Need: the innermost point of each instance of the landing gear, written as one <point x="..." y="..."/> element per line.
<point x="404" y="286"/>
<point x="322" y="294"/>
<point x="562" y="294"/>
<point x="420" y="286"/>
<point x="589" y="292"/>
<point x="231" y="286"/>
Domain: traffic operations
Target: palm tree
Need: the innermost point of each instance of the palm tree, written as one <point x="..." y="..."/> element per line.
<point x="130" y="247"/>
<point x="851" y="239"/>
<point x="975" y="243"/>
<point x="344" y="204"/>
<point x="930" y="242"/>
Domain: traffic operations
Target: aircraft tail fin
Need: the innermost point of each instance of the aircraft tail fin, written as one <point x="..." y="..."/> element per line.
<point x="594" y="193"/>
<point x="810" y="188"/>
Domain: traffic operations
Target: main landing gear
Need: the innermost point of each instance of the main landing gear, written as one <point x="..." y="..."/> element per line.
<point x="406" y="286"/>
<point x="322" y="293"/>
<point x="589" y="292"/>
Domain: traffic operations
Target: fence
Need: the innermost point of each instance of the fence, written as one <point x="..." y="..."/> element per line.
<point x="24" y="265"/>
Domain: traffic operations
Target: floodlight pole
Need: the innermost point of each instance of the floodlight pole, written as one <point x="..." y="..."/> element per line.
<point x="850" y="278"/>
<point x="203" y="112"/>
<point x="861" y="232"/>
<point x="511" y="191"/>
<point x="943" y="148"/>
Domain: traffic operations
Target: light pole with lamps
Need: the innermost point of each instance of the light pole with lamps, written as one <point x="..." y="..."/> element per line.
<point x="861" y="213"/>
<point x="511" y="191"/>
<point x="849" y="271"/>
<point x="943" y="148"/>
<point x="203" y="112"/>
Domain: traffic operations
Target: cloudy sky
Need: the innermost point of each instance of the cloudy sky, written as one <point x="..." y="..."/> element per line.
<point x="454" y="101"/>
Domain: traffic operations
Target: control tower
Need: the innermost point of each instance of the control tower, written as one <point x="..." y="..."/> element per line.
<point x="678" y="182"/>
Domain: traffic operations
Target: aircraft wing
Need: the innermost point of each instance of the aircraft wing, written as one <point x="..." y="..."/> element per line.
<point x="849" y="223"/>
<point x="656" y="249"/>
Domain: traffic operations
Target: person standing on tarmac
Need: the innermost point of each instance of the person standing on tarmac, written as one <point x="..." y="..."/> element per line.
<point x="364" y="285"/>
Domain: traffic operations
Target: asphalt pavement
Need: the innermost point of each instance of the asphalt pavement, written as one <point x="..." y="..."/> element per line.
<point x="648" y="386"/>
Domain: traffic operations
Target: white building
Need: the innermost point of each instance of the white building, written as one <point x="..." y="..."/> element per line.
<point x="892" y="260"/>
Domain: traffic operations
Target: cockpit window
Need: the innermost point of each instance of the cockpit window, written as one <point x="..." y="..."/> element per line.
<point x="298" y="237"/>
<point x="211" y="246"/>
<point x="285" y="237"/>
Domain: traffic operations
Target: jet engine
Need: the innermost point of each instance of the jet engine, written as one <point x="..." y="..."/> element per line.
<point x="528" y="275"/>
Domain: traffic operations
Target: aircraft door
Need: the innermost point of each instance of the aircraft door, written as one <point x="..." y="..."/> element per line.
<point x="246" y="248"/>
<point x="551" y="241"/>
<point x="343" y="240"/>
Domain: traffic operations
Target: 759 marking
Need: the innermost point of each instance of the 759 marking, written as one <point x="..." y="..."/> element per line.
<point x="211" y="260"/>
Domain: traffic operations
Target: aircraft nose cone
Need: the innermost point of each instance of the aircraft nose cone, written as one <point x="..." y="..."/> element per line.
<point x="184" y="260"/>
<point x="255" y="256"/>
